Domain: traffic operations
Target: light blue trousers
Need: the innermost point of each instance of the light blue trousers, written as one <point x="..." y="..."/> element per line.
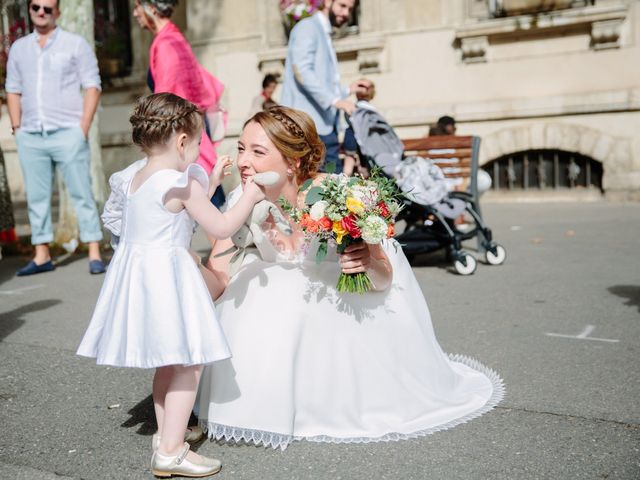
<point x="68" y="150"/>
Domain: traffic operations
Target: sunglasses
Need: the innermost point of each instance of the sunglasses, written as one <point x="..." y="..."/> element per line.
<point x="36" y="8"/>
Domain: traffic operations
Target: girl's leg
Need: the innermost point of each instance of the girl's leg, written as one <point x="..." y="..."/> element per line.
<point x="161" y="381"/>
<point x="178" y="403"/>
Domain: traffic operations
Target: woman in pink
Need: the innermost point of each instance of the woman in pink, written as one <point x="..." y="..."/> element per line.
<point x="174" y="68"/>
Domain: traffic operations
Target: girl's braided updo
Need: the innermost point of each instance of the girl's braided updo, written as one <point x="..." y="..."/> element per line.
<point x="157" y="117"/>
<point x="294" y="135"/>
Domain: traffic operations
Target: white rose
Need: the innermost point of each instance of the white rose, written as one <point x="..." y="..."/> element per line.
<point x="374" y="229"/>
<point x="317" y="210"/>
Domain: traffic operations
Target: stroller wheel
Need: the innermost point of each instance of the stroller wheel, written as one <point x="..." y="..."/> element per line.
<point x="466" y="264"/>
<point x="496" y="255"/>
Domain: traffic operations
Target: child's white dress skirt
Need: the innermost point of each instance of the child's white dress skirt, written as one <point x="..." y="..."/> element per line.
<point x="154" y="308"/>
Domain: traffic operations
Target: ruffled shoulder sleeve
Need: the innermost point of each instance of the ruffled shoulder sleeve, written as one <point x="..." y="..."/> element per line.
<point x="181" y="179"/>
<point x="114" y="207"/>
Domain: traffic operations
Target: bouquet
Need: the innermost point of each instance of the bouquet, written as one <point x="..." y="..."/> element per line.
<point x="295" y="10"/>
<point x="345" y="210"/>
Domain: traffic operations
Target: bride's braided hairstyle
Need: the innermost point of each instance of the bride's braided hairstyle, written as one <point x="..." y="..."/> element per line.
<point x="294" y="135"/>
<point x="157" y="117"/>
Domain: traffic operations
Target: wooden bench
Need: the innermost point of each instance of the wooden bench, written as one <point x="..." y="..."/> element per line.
<point x="457" y="156"/>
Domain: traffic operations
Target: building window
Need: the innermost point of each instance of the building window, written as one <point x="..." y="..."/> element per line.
<point x="544" y="170"/>
<point x="112" y="31"/>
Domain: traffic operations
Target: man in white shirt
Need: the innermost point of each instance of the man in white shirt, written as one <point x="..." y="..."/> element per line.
<point x="50" y="119"/>
<point x="311" y="78"/>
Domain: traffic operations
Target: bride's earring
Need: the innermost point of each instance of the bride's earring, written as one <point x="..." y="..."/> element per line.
<point x="289" y="173"/>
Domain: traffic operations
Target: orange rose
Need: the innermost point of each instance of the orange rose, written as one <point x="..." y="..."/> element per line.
<point x="305" y="220"/>
<point x="391" y="231"/>
<point x="325" y="224"/>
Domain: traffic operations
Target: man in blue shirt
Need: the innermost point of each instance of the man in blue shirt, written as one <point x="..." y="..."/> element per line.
<point x="50" y="119"/>
<point x="311" y="78"/>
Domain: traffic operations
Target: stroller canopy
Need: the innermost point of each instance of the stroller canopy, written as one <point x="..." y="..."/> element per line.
<point x="420" y="179"/>
<point x="378" y="142"/>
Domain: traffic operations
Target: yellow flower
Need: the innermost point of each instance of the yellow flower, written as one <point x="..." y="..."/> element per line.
<point x="354" y="205"/>
<point x="339" y="231"/>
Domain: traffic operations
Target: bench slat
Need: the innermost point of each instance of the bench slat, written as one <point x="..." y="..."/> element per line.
<point x="464" y="163"/>
<point x="437" y="142"/>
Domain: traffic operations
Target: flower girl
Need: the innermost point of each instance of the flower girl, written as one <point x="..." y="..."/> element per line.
<point x="154" y="309"/>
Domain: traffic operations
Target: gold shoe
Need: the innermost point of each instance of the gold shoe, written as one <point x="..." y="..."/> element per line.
<point x="167" y="466"/>
<point x="192" y="435"/>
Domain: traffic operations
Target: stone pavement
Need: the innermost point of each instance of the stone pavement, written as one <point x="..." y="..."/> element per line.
<point x="571" y="410"/>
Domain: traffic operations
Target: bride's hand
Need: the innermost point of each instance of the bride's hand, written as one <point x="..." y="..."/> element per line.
<point x="356" y="258"/>
<point x="362" y="257"/>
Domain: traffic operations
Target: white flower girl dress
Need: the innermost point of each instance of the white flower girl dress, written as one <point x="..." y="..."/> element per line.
<point x="154" y="308"/>
<point x="310" y="363"/>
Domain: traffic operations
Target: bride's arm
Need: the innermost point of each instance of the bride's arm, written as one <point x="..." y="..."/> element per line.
<point x="362" y="257"/>
<point x="216" y="269"/>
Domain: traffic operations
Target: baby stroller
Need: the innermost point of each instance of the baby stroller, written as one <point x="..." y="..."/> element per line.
<point x="431" y="207"/>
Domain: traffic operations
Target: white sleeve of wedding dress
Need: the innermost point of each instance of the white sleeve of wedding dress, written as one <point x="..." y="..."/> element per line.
<point x="232" y="198"/>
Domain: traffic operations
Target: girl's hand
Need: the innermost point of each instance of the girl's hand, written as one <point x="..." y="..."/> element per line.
<point x="255" y="192"/>
<point x="356" y="258"/>
<point x="220" y="170"/>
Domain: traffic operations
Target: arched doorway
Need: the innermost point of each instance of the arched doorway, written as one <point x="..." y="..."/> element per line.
<point x="544" y="169"/>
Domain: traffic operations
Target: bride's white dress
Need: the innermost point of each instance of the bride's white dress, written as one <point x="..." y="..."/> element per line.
<point x="310" y="363"/>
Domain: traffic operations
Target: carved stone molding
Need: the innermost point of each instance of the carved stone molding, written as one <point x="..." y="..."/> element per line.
<point x="605" y="23"/>
<point x="606" y="34"/>
<point x="367" y="50"/>
<point x="474" y="49"/>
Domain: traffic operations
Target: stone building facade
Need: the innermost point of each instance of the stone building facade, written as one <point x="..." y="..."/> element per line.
<point x="552" y="87"/>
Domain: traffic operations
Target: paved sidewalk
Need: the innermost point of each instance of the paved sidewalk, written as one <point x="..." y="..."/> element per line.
<point x="571" y="411"/>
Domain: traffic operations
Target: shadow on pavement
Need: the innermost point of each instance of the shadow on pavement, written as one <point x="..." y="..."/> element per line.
<point x="630" y="292"/>
<point x="68" y="258"/>
<point x="436" y="259"/>
<point x="11" y="321"/>
<point x="142" y="413"/>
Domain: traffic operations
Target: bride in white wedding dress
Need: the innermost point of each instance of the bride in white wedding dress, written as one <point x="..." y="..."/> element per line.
<point x="309" y="362"/>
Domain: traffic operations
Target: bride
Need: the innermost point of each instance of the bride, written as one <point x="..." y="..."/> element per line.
<point x="311" y="363"/>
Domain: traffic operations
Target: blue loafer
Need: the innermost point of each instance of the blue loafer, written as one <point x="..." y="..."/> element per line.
<point x="96" y="267"/>
<point x="32" y="268"/>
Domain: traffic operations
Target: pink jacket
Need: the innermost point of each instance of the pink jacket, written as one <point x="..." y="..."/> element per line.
<point x="175" y="69"/>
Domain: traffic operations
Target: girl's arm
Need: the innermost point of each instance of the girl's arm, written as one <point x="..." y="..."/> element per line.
<point x="216" y="268"/>
<point x="363" y="257"/>
<point x="219" y="225"/>
<point x="216" y="281"/>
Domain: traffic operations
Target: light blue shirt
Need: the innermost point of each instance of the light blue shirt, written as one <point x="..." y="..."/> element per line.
<point x="311" y="76"/>
<point x="49" y="79"/>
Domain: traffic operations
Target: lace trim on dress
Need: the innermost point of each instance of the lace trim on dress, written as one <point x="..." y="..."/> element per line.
<point x="228" y="433"/>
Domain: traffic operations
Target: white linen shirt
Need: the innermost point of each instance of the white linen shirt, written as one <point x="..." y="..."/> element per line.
<point x="49" y="79"/>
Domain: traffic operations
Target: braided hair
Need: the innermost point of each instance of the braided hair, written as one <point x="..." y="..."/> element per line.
<point x="294" y="135"/>
<point x="157" y="117"/>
